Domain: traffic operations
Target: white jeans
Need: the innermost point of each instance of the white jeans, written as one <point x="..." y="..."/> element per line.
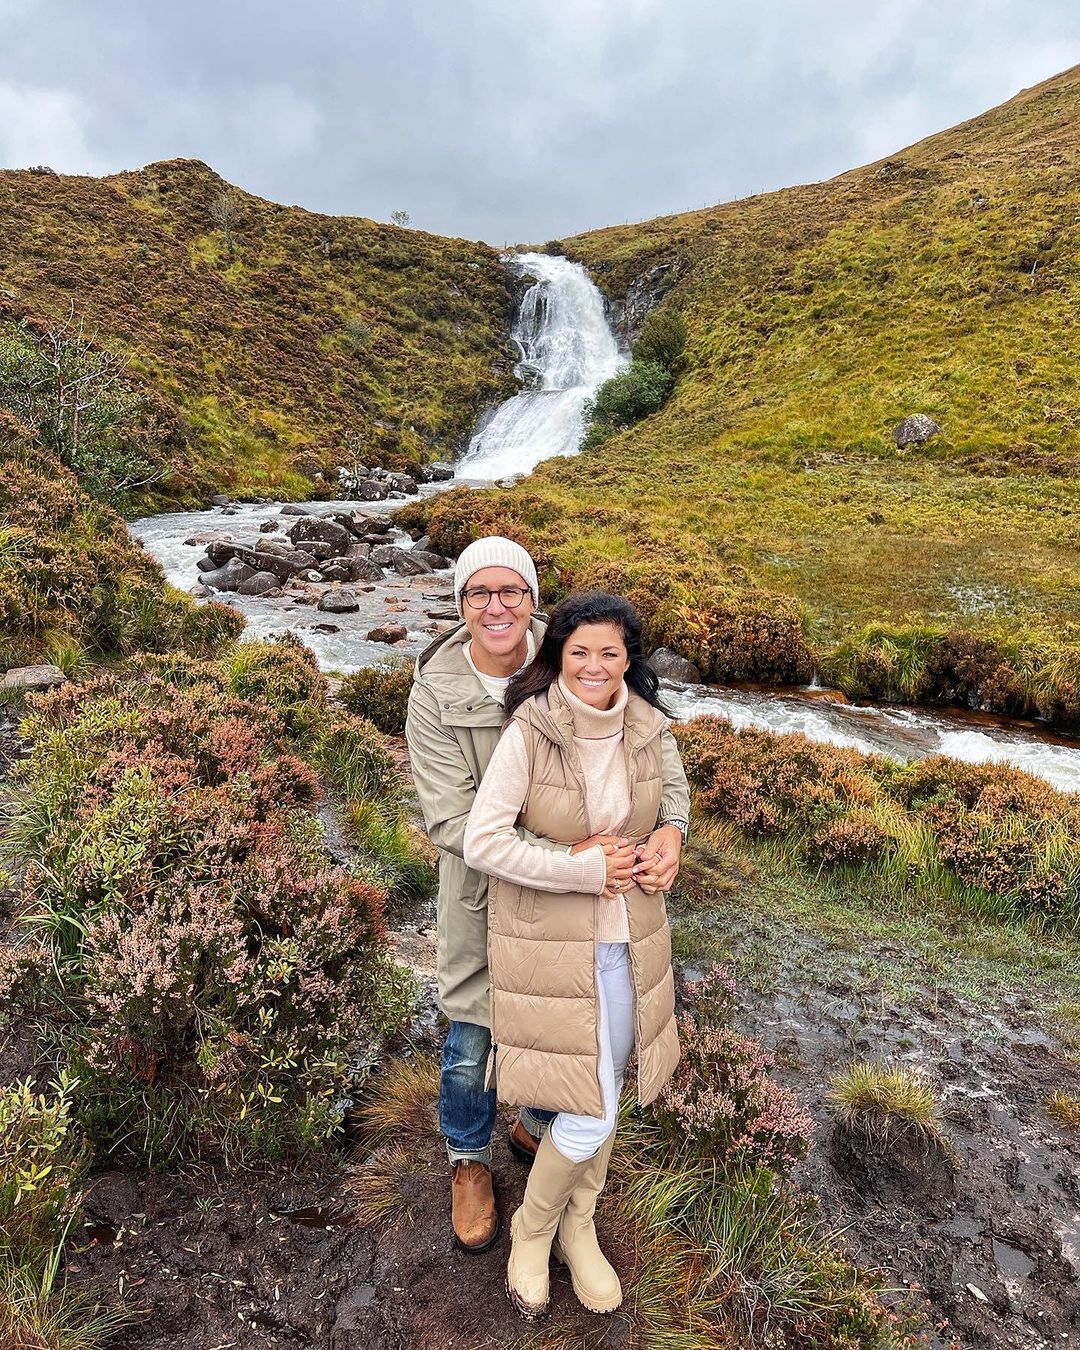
<point x="580" y="1137"/>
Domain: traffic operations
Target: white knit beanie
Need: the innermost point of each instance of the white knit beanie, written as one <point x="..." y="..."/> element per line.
<point x="494" y="551"/>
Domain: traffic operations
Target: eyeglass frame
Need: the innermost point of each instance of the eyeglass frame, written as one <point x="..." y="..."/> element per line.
<point x="523" y="591"/>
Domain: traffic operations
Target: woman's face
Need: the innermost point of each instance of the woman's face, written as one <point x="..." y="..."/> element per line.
<point x="594" y="662"/>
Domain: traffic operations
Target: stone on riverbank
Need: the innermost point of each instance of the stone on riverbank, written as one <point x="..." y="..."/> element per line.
<point x="230" y="576"/>
<point x="262" y="583"/>
<point x="670" y="665"/>
<point x="32" y="679"/>
<point x="320" y="530"/>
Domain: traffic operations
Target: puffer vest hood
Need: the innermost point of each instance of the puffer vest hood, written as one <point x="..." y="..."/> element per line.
<point x="542" y="945"/>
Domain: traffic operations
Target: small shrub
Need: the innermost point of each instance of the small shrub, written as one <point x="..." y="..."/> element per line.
<point x="721" y="1102"/>
<point x="1064" y="1107"/>
<point x="663" y="338"/>
<point x="41" y="1170"/>
<point x="380" y="693"/>
<point x="283" y="672"/>
<point x="881" y="1102"/>
<point x="634" y="393"/>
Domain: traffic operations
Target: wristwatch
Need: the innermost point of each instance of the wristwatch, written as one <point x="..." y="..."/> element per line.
<point x="683" y="826"/>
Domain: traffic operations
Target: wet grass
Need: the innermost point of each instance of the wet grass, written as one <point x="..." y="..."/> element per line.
<point x="755" y="907"/>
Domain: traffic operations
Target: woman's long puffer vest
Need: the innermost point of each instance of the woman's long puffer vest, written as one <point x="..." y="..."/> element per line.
<point x="542" y="945"/>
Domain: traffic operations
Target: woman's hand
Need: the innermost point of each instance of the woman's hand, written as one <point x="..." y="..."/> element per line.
<point x="619" y="859"/>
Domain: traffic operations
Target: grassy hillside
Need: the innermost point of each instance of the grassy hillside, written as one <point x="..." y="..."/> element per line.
<point x="268" y="342"/>
<point x="943" y="280"/>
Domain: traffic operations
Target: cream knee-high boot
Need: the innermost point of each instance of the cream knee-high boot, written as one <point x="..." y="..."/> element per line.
<point x="594" y="1279"/>
<point x="551" y="1182"/>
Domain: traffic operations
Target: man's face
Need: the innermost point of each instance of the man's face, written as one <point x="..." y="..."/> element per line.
<point x="498" y="629"/>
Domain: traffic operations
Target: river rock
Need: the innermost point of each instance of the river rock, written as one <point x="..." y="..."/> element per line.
<point x="363" y="569"/>
<point x="338" y="602"/>
<point x="437" y="472"/>
<point x="31" y="679"/>
<point x="367" y="522"/>
<point x="404" y="482"/>
<point x="268" y="527"/>
<point x="262" y="583"/>
<point x="339" y="570"/>
<point x="322" y="551"/>
<point x="346" y="521"/>
<point x="311" y="574"/>
<point x="359" y="550"/>
<point x="206" y="564"/>
<point x="435" y="560"/>
<point x="219" y="499"/>
<point x="293" y="509"/>
<point x="670" y="665"/>
<point x="321" y="530"/>
<point x="195" y="540"/>
<point x="371" y="491"/>
<point x="387" y="632"/>
<point x="229" y="577"/>
<point x="282" y="547"/>
<point x="915" y="430"/>
<point x="423" y="543"/>
<point x="264" y="560"/>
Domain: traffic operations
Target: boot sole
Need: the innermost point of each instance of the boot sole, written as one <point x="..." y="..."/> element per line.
<point x="523" y="1309"/>
<point x="484" y="1246"/>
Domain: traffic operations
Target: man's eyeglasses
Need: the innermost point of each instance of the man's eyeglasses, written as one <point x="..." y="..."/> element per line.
<point x="479" y="597"/>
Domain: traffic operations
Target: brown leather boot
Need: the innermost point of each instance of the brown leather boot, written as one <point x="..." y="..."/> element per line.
<point x="523" y="1143"/>
<point x="472" y="1207"/>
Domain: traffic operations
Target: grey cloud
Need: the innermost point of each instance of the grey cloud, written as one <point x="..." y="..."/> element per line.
<point x="490" y="120"/>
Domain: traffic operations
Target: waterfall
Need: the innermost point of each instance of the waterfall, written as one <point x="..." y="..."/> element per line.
<point x="566" y="352"/>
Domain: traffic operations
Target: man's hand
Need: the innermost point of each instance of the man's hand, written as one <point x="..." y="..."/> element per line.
<point x="658" y="859"/>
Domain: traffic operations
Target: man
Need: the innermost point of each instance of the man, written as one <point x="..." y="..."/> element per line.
<point x="455" y="717"/>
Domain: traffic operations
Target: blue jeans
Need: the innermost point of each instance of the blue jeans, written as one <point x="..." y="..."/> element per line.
<point x="466" y="1111"/>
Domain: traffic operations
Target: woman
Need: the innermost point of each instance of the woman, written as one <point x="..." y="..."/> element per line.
<point x="579" y="953"/>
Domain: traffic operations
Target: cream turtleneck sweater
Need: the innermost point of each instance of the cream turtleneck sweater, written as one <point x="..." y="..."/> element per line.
<point x="492" y="844"/>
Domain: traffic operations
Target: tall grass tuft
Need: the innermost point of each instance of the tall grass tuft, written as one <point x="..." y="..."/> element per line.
<point x="882" y="1101"/>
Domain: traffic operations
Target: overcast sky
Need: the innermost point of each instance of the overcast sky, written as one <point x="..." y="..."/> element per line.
<point x="505" y="120"/>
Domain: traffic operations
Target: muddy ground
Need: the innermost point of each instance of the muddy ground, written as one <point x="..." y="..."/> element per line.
<point x="987" y="1224"/>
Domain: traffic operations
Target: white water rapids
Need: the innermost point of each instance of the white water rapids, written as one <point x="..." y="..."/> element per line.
<point x="566" y="352"/>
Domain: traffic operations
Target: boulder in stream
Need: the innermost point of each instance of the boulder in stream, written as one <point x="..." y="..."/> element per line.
<point x="338" y="602"/>
<point x="293" y="509"/>
<point x="387" y="632"/>
<point x="262" y="583"/>
<point x="228" y="577"/>
<point x="320" y="530"/>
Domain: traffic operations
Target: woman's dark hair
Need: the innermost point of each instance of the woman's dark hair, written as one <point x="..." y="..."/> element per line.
<point x="586" y="607"/>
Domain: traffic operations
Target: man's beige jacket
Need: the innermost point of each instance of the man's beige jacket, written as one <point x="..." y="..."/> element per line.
<point x="452" y="728"/>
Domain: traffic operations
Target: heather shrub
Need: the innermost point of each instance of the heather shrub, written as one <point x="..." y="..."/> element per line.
<point x="752" y="636"/>
<point x="721" y="1102"/>
<point x="771" y="784"/>
<point x="210" y="977"/>
<point x="284" y="673"/>
<point x="986" y="836"/>
<point x="72" y="578"/>
<point x="380" y="693"/>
